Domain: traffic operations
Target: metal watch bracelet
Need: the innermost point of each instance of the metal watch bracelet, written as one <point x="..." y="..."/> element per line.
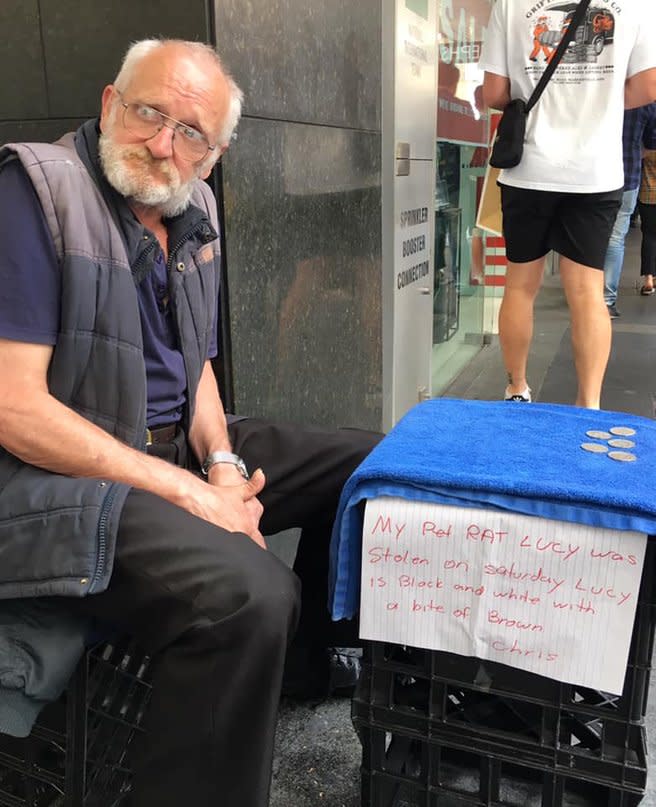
<point x="216" y="457"/>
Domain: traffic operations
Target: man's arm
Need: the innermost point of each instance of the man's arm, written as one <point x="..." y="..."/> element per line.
<point x="41" y="431"/>
<point x="209" y="430"/>
<point x="640" y="89"/>
<point x="496" y="90"/>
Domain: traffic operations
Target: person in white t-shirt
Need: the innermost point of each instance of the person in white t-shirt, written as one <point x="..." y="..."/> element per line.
<point x="565" y="193"/>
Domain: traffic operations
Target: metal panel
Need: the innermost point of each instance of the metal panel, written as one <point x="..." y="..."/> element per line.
<point x="409" y="104"/>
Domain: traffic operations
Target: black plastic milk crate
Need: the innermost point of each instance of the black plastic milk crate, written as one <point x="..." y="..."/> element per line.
<point x="509" y="714"/>
<point x="400" y="770"/>
<point x="76" y="755"/>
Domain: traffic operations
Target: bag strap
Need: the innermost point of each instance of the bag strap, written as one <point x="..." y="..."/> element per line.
<point x="558" y="55"/>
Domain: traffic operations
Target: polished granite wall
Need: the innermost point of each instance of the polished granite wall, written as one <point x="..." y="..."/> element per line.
<point x="302" y="187"/>
<point x="302" y="181"/>
<point x="57" y="55"/>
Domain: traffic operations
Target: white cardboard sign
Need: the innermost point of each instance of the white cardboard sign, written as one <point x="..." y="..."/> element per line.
<point x="549" y="597"/>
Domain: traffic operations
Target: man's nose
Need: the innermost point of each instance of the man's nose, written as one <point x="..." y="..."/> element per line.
<point x="161" y="144"/>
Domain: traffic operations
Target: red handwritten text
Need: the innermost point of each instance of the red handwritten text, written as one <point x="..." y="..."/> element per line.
<point x="543" y="545"/>
<point x="615" y="556"/>
<point x="378" y="554"/>
<point x="385" y="525"/>
<point x="602" y="591"/>
<point x="456" y="564"/>
<point x="433" y="529"/>
<point x="427" y="607"/>
<point x="496" y="619"/>
<point x="503" y="647"/>
<point x="582" y="606"/>
<point x="522" y="596"/>
<point x="535" y="577"/>
<point x="478" y="591"/>
<point x="484" y="535"/>
<point x="407" y="581"/>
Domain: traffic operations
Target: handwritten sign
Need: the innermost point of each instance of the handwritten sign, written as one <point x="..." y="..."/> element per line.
<point x="550" y="597"/>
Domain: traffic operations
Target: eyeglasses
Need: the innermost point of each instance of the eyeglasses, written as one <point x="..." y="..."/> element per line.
<point x="145" y="122"/>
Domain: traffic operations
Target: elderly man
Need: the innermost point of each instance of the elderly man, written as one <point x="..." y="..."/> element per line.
<point x="565" y="193"/>
<point x="108" y="320"/>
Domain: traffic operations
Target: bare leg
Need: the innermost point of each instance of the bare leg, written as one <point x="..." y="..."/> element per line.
<point x="591" y="328"/>
<point x="523" y="282"/>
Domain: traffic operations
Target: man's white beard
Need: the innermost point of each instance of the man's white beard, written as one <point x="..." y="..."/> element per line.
<point x="129" y="170"/>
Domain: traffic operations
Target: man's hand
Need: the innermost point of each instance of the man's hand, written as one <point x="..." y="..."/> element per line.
<point x="228" y="501"/>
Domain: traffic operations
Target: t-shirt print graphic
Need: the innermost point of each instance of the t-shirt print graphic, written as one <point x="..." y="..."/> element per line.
<point x="594" y="34"/>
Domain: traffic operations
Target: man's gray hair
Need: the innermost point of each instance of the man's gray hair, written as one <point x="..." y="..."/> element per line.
<point x="138" y="50"/>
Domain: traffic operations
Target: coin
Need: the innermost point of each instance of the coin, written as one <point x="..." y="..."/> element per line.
<point x="621" y="443"/>
<point x="596" y="435"/>
<point x="622" y="431"/>
<point x="594" y="448"/>
<point x="622" y="456"/>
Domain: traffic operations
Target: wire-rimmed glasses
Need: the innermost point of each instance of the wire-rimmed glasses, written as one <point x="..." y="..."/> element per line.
<point x="146" y="121"/>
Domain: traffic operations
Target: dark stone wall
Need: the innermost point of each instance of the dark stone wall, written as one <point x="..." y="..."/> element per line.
<point x="57" y="55"/>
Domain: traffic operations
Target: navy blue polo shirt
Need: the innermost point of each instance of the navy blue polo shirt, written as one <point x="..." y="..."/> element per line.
<point x="30" y="291"/>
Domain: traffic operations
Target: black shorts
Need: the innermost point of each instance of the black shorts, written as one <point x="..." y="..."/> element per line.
<point x="576" y="225"/>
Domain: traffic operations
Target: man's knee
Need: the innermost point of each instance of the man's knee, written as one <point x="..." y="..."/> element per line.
<point x="264" y="596"/>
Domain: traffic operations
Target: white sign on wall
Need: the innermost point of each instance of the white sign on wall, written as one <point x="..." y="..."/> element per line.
<point x="549" y="597"/>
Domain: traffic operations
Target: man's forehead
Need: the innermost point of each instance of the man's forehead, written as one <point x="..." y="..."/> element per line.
<point x="174" y="69"/>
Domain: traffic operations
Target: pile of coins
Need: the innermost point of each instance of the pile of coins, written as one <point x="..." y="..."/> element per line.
<point x="616" y="445"/>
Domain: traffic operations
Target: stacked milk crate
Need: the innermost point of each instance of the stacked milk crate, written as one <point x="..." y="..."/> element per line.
<point x="499" y="559"/>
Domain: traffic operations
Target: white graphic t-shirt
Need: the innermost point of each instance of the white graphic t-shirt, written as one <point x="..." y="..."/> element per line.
<point x="574" y="133"/>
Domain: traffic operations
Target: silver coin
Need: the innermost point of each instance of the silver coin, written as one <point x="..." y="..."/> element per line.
<point x="622" y="431"/>
<point x="622" y="456"/>
<point x="594" y="448"/>
<point x="621" y="443"/>
<point x="596" y="435"/>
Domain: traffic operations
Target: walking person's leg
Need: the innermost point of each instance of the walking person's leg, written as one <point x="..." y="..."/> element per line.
<point x="523" y="281"/>
<point x="591" y="328"/>
<point x="648" y="247"/>
<point x="615" y="253"/>
<point x="581" y="236"/>
<point x="527" y="216"/>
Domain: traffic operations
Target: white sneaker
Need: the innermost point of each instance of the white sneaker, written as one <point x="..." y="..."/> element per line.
<point x="518" y="397"/>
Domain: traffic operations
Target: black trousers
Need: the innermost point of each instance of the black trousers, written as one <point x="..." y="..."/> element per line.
<point x="217" y="613"/>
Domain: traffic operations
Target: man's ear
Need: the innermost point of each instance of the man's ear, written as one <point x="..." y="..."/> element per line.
<point x="105" y="105"/>
<point x="207" y="171"/>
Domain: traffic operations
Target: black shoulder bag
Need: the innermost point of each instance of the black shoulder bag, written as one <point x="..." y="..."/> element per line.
<point x="509" y="141"/>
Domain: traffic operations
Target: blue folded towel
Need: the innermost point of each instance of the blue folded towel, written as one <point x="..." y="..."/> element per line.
<point x="523" y="458"/>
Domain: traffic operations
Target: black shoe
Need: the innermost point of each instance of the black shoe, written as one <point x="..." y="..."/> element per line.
<point x="345" y="669"/>
<point x="613" y="313"/>
<point x="314" y="674"/>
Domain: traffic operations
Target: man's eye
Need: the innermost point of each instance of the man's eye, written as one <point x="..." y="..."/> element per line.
<point x="191" y="134"/>
<point x="147" y="113"/>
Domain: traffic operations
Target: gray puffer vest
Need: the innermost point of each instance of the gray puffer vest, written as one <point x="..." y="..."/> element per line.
<point x="57" y="533"/>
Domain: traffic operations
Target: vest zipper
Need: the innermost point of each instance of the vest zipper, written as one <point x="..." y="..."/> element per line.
<point x="188" y="235"/>
<point x="102" y="538"/>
